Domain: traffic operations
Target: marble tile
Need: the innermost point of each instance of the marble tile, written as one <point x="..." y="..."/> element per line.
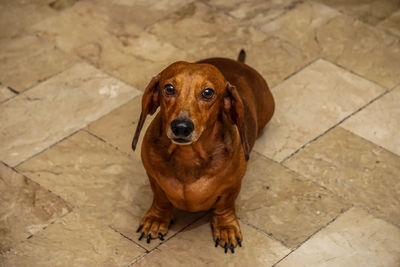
<point x="250" y="12"/>
<point x="323" y="31"/>
<point x="379" y="122"/>
<point x="284" y="204"/>
<point x="368" y="11"/>
<point x="56" y="108"/>
<point x="113" y="44"/>
<point x="25" y="208"/>
<point x="5" y="93"/>
<point x="354" y="239"/>
<point x="392" y="23"/>
<point x="75" y="240"/>
<point x="223" y="36"/>
<point x="17" y="15"/>
<point x="123" y="123"/>
<point x="298" y="119"/>
<point x="354" y="169"/>
<point x="28" y="60"/>
<point x="195" y="247"/>
<point x="62" y="4"/>
<point x="140" y="12"/>
<point x="101" y="181"/>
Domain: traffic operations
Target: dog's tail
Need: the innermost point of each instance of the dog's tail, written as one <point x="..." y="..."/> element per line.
<point x="241" y="56"/>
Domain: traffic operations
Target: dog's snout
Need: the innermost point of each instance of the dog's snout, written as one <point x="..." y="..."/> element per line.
<point x="182" y="127"/>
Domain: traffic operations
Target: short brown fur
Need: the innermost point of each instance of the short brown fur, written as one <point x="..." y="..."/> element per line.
<point x="207" y="173"/>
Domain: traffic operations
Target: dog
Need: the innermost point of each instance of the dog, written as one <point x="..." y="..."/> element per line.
<point x="196" y="149"/>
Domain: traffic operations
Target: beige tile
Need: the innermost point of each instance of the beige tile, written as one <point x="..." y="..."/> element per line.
<point x="140" y="12"/>
<point x="25" y="208"/>
<point x="123" y="123"/>
<point x="309" y="103"/>
<point x="368" y="11"/>
<point x="195" y="247"/>
<point x="178" y="27"/>
<point x="76" y="240"/>
<point x="56" y="108"/>
<point x="354" y="239"/>
<point x="99" y="180"/>
<point x="28" y="60"/>
<point x="224" y="5"/>
<point x="262" y="11"/>
<point x="299" y="26"/>
<point x="379" y="122"/>
<point x="118" y="47"/>
<point x="323" y="31"/>
<point x="62" y="4"/>
<point x="5" y="93"/>
<point x="223" y="36"/>
<point x="17" y="15"/>
<point x="392" y="23"/>
<point x="284" y="204"/>
<point x="355" y="169"/>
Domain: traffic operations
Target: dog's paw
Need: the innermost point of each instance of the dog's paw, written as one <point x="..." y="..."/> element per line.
<point x="152" y="227"/>
<point x="226" y="233"/>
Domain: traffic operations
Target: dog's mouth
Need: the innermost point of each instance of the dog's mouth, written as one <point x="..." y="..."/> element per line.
<point x="181" y="141"/>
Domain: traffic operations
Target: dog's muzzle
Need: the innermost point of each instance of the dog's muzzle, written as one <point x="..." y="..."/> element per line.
<point x="182" y="128"/>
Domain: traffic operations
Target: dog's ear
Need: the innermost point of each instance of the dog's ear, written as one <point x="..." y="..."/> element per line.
<point x="150" y="103"/>
<point x="234" y="108"/>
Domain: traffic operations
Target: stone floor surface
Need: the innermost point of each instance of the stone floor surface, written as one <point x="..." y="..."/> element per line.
<point x="323" y="182"/>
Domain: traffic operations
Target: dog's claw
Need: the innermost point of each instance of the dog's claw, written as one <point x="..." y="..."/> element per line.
<point x="239" y="241"/>
<point x="232" y="248"/>
<point x="226" y="247"/>
<point x="160" y="236"/>
<point x="139" y="228"/>
<point x="141" y="236"/>
<point x="148" y="239"/>
<point x="217" y="242"/>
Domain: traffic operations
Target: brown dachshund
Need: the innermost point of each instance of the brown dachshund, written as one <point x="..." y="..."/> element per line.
<point x="195" y="151"/>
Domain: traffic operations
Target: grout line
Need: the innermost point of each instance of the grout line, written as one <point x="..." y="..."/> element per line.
<point x="13" y="90"/>
<point x="355" y="18"/>
<point x="334" y="126"/>
<point x="38" y="232"/>
<point x="130" y="239"/>
<point x="181" y="230"/>
<point x="370" y="142"/>
<point x="300" y="175"/>
<point x="47" y="148"/>
<point x="75" y="132"/>
<point x="167" y="15"/>
<point x="110" y="145"/>
<point x="137" y="259"/>
<point x="313" y="234"/>
<point x="367" y="210"/>
<point x="41" y="186"/>
<point x="270" y="235"/>
<point x="147" y="251"/>
<point x="355" y="73"/>
<point x="297" y="71"/>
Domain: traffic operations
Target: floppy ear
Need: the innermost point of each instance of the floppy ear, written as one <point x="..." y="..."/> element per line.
<point x="234" y="108"/>
<point x="150" y="103"/>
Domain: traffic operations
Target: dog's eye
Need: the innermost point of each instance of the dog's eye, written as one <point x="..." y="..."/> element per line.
<point x="169" y="90"/>
<point x="207" y="94"/>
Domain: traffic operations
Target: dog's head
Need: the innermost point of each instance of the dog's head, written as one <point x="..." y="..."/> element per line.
<point x="191" y="97"/>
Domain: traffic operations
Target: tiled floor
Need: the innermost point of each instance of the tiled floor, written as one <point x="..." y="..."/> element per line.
<point x="323" y="182"/>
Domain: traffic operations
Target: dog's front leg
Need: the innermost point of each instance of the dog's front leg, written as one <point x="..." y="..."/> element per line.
<point x="225" y="226"/>
<point x="158" y="218"/>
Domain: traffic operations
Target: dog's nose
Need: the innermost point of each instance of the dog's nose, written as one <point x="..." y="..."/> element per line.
<point x="182" y="127"/>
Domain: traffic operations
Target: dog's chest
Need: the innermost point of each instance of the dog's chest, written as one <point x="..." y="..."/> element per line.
<point x="191" y="190"/>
